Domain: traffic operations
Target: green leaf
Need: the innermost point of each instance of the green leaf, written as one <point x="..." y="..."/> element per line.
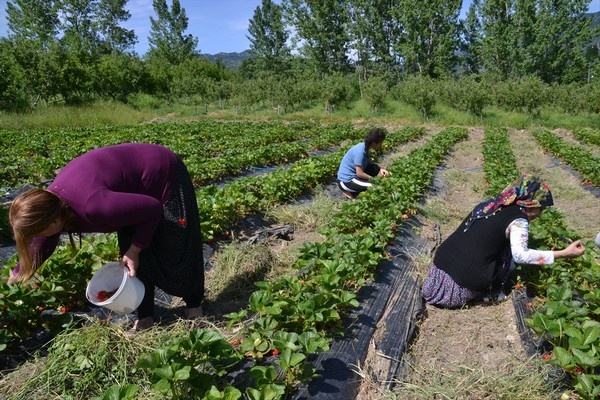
<point x="591" y="334"/>
<point x="563" y="358"/>
<point x="296" y="359"/>
<point x="182" y="374"/>
<point x="584" y="359"/>
<point x="162" y="386"/>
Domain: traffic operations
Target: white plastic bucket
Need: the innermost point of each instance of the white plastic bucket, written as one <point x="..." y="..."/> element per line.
<point x="130" y="290"/>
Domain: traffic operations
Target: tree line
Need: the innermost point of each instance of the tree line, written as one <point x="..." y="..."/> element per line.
<point x="304" y="51"/>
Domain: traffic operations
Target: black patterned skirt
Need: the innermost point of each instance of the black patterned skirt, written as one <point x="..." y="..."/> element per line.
<point x="174" y="261"/>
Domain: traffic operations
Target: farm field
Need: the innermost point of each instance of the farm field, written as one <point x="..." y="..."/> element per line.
<point x="253" y="176"/>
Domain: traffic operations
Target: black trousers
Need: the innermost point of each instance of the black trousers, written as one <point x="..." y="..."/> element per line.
<point x="357" y="185"/>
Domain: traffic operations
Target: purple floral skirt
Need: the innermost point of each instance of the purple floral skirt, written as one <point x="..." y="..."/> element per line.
<point x="440" y="289"/>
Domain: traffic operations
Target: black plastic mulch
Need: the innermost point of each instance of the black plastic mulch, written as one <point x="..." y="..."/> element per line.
<point x="390" y="305"/>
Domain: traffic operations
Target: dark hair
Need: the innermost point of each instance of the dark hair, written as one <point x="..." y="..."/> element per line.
<point x="376" y="135"/>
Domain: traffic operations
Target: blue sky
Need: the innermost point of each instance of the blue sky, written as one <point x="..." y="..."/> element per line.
<point x="219" y="25"/>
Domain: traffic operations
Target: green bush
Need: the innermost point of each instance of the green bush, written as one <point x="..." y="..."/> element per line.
<point x="592" y="97"/>
<point x="467" y="94"/>
<point x="418" y="92"/>
<point x="527" y="94"/>
<point x="143" y="101"/>
<point x="336" y="91"/>
<point x="568" y="98"/>
<point x="374" y="91"/>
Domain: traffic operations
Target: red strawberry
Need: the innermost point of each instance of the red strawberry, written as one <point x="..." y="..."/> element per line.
<point x="104" y="295"/>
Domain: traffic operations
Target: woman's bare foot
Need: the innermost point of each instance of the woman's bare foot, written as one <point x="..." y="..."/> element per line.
<point x="140" y="325"/>
<point x="348" y="195"/>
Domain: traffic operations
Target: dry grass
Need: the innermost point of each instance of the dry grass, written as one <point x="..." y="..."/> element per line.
<point x="307" y="216"/>
<point x="236" y="267"/>
<point x="519" y="381"/>
<point x="580" y="207"/>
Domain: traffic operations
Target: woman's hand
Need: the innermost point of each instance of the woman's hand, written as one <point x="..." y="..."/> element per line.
<point x="383" y="173"/>
<point x="131" y="259"/>
<point x="575" y="249"/>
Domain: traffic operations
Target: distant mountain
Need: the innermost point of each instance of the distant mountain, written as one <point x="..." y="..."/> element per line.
<point x="230" y="60"/>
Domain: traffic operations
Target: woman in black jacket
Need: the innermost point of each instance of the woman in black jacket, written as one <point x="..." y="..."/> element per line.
<point x="476" y="259"/>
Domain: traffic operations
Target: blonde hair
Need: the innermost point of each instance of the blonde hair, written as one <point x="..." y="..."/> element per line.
<point x="30" y="213"/>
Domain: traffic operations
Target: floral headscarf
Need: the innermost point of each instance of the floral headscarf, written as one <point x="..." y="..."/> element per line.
<point x="527" y="191"/>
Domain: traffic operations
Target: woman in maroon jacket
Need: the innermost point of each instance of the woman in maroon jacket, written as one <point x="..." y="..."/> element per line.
<point x="141" y="191"/>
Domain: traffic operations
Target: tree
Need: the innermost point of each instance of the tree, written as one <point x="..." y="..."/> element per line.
<point x="470" y="45"/>
<point x="167" y="33"/>
<point x="373" y="28"/>
<point x="77" y="24"/>
<point x="499" y="44"/>
<point x="13" y="94"/>
<point x="430" y="35"/>
<point x="545" y="38"/>
<point x="35" y="20"/>
<point x="268" y="36"/>
<point x="115" y="39"/>
<point x="321" y="27"/>
<point x="563" y="33"/>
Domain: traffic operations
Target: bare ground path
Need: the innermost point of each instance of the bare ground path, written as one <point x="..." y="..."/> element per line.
<point x="581" y="208"/>
<point x="476" y="352"/>
<point x="478" y="341"/>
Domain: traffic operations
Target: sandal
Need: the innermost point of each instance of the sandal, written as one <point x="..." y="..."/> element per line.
<point x="490" y="299"/>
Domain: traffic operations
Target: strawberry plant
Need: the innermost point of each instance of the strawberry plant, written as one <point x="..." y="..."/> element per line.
<point x="192" y="366"/>
<point x="568" y="317"/>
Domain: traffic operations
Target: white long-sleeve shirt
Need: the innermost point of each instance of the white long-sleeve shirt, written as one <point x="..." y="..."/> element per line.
<point x="518" y="234"/>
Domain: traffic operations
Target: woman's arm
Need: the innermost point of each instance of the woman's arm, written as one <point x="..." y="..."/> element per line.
<point x="522" y="254"/>
<point x="119" y="209"/>
<point x="360" y="173"/>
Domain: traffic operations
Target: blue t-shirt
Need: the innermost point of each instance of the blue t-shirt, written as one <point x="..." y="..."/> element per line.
<point x="356" y="156"/>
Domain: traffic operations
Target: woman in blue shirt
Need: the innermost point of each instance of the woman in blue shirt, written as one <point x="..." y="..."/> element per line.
<point x="356" y="168"/>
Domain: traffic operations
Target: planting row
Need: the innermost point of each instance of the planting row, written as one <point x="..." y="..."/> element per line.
<point x="580" y="159"/>
<point x="35" y="156"/>
<point x="588" y="136"/>
<point x="567" y="310"/>
<point x="239" y="159"/>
